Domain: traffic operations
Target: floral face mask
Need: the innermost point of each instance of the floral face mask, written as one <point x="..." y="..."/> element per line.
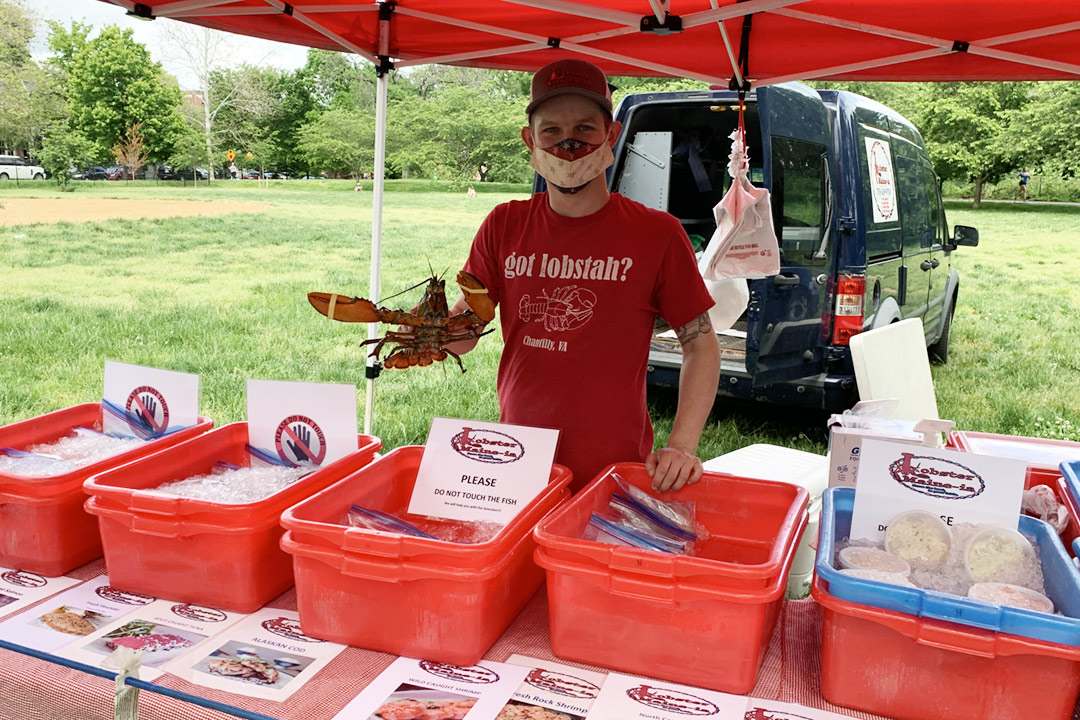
<point x="569" y="165"/>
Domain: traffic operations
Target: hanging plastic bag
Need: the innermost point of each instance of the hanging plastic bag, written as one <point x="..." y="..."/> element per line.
<point x="729" y="302"/>
<point x="744" y="244"/>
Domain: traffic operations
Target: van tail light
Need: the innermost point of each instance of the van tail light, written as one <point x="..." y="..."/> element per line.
<point x="848" y="307"/>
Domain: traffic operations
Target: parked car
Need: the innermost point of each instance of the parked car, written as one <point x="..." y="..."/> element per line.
<point x="116" y="172"/>
<point x="313" y="177"/>
<point x="168" y="173"/>
<point x="13" y="167"/>
<point x="94" y="172"/>
<point x="250" y="175"/>
<point x="858" y="216"/>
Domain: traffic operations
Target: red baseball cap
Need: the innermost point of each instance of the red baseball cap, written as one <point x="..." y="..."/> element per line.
<point x="569" y="76"/>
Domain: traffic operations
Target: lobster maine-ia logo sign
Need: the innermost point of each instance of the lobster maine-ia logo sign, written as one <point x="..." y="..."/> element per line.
<point x="21" y="578"/>
<point x="198" y="613"/>
<point x="561" y="684"/>
<point x="487" y="446"/>
<point x="123" y="596"/>
<point x="474" y="674"/>
<point x="287" y="628"/>
<point x="672" y="701"/>
<point x="763" y="714"/>
<point x="936" y="477"/>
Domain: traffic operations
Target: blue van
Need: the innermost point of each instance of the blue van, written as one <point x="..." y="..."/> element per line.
<point x="857" y="211"/>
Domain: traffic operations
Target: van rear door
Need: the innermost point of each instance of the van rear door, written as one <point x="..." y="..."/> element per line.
<point x="784" y="337"/>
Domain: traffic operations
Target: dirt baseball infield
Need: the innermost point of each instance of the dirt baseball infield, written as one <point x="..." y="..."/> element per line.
<point x="26" y="211"/>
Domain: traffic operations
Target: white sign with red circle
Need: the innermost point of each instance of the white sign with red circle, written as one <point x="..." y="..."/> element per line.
<point x="301" y="424"/>
<point x="153" y="401"/>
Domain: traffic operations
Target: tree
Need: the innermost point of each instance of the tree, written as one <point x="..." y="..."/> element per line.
<point x="18" y="76"/>
<point x="188" y="151"/>
<point x="267" y="105"/>
<point x="113" y="84"/>
<point x="340" y="141"/>
<point x="338" y="80"/>
<point x="1044" y="130"/>
<point x="65" y="43"/>
<point x="459" y="123"/>
<point x="130" y="152"/>
<point x="964" y="125"/>
<point x="202" y="51"/>
<point x="62" y="149"/>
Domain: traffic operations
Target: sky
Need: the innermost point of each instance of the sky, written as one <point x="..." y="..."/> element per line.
<point x="99" y="14"/>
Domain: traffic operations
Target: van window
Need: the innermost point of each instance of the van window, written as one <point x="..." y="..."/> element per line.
<point x="916" y="219"/>
<point x="937" y="212"/>
<point x="798" y="199"/>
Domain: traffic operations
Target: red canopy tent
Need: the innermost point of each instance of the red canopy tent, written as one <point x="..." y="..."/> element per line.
<point x="787" y="39"/>
<point x="760" y="41"/>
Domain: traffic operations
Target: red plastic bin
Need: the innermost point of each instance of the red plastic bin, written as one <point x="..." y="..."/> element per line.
<point x="404" y="595"/>
<point x="1043" y="456"/>
<point x="911" y="668"/>
<point x="43" y="527"/>
<point x="215" y="554"/>
<point x="704" y="620"/>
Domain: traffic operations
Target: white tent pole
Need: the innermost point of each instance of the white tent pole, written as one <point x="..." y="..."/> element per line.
<point x="376" y="235"/>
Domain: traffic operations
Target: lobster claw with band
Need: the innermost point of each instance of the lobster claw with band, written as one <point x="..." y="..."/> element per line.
<point x="430" y="326"/>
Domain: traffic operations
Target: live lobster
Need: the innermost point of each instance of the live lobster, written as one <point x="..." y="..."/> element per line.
<point x="427" y="329"/>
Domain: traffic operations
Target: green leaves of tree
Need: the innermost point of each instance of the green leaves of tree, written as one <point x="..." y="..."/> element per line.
<point x="113" y="84"/>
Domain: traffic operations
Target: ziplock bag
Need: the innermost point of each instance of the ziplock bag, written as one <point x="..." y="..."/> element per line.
<point x="385" y="522"/>
<point x="673" y="518"/>
<point x="612" y="532"/>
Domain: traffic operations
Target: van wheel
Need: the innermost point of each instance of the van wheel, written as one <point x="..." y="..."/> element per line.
<point x="39" y="176"/>
<point x="3" y="176"/>
<point x="939" y="351"/>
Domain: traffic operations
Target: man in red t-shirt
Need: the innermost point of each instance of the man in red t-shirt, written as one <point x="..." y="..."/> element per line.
<point x="580" y="274"/>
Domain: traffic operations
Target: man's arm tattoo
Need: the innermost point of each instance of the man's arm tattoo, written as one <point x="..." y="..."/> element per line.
<point x="695" y="327"/>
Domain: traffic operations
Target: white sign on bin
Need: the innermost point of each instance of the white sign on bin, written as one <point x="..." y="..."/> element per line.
<point x="958" y="487"/>
<point x="481" y="472"/>
<point x="148" y="402"/>
<point x="297" y="423"/>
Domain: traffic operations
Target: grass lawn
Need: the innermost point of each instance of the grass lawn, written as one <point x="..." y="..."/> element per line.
<point x="224" y="297"/>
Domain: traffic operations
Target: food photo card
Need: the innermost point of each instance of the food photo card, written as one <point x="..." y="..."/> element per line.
<point x="957" y="486"/>
<point x="480" y="471"/>
<point x="630" y="698"/>
<point x="297" y="424"/>
<point x="423" y="689"/>
<point x="73" y="614"/>
<point x="553" y="691"/>
<point x="265" y="656"/>
<point x="163" y="630"/>
<point x="147" y="402"/>
<point x="19" y="588"/>
<point x="758" y="709"/>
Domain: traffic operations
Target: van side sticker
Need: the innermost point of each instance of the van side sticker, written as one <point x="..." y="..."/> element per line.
<point x="882" y="180"/>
